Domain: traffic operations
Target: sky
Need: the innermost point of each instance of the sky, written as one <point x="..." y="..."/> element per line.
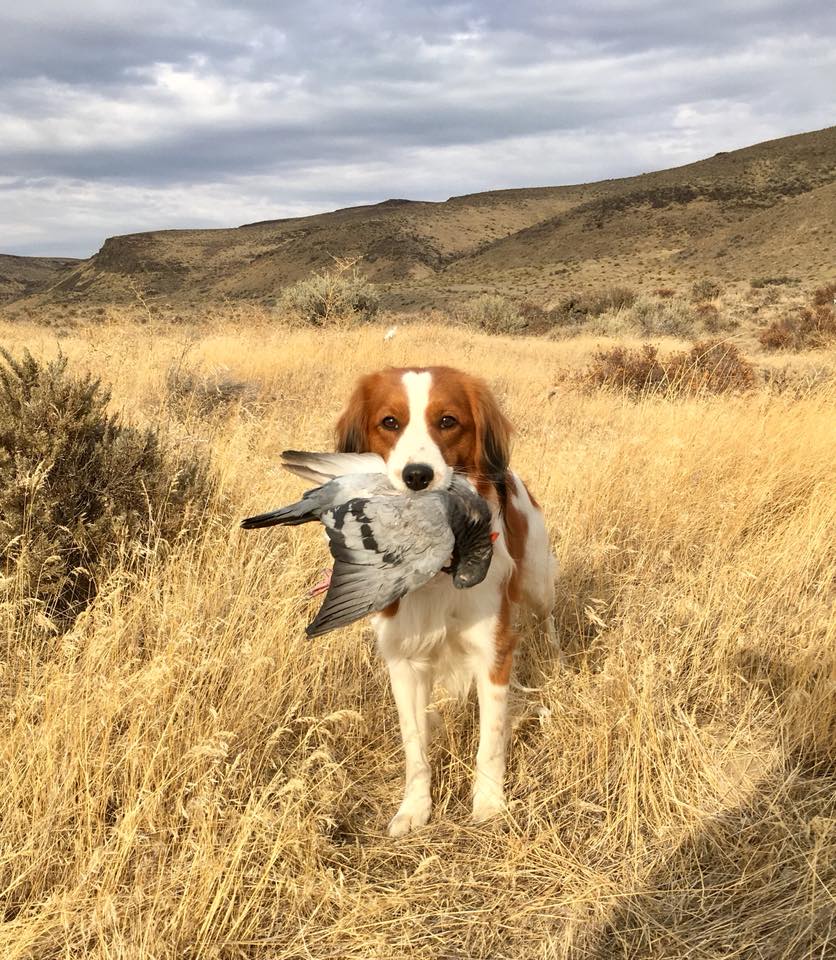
<point x="118" y="117"/>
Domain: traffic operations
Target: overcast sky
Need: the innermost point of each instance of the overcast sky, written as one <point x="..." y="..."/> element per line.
<point x="122" y="116"/>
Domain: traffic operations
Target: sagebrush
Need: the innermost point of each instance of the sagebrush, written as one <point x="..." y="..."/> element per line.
<point x="578" y="307"/>
<point x="330" y="295"/>
<point x="673" y="317"/>
<point x="494" y="314"/>
<point x="192" y="391"/>
<point x="79" y="489"/>
<point x="705" y="289"/>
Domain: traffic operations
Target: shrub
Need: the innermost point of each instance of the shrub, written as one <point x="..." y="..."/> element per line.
<point x="713" y="320"/>
<point x="759" y="282"/>
<point x="796" y="381"/>
<point x="673" y="317"/>
<point x="578" y="307"/>
<point x="705" y="289"/>
<point x="340" y="294"/>
<point x="533" y="313"/>
<point x="203" y="394"/>
<point x="712" y="366"/>
<point x="825" y="296"/>
<point x="806" y="328"/>
<point x="634" y="370"/>
<point x="708" y="314"/>
<point x="664" y="293"/>
<point x="770" y="296"/>
<point x="494" y="314"/>
<point x="79" y="489"/>
<point x="777" y="336"/>
<point x="614" y="324"/>
<point x="715" y="366"/>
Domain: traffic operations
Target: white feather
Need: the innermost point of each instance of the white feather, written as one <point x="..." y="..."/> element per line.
<point x="319" y="468"/>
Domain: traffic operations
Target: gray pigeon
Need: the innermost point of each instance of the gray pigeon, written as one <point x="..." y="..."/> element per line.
<point x="385" y="543"/>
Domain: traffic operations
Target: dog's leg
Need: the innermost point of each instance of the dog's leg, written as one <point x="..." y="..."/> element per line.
<point x="411" y="687"/>
<point x="543" y="601"/>
<point x="494" y="642"/>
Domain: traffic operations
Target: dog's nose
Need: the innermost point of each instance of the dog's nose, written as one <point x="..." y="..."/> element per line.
<point x="417" y="476"/>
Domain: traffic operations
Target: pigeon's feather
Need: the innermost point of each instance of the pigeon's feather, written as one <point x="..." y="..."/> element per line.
<point x="315" y="502"/>
<point x="382" y="549"/>
<point x="375" y="592"/>
<point x="385" y="543"/>
<point x="322" y="467"/>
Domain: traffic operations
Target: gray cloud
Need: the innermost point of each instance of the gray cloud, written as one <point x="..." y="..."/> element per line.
<point x="117" y="117"/>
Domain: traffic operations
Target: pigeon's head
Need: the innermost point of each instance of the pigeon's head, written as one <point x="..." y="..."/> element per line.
<point x="470" y="521"/>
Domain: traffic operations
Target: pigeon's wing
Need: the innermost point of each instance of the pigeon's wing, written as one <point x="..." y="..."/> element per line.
<point x="471" y="522"/>
<point x="322" y="467"/>
<point x="319" y="499"/>
<point x="313" y="503"/>
<point x="383" y="547"/>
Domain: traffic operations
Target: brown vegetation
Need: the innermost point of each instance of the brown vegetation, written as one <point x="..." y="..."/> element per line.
<point x="710" y="366"/>
<point x="578" y="307"/>
<point x="185" y="776"/>
<point x="825" y="296"/>
<point x="803" y="328"/>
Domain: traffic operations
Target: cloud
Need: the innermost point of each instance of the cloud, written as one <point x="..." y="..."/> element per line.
<point x="116" y="117"/>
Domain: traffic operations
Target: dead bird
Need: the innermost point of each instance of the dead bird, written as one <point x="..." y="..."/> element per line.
<point x="385" y="543"/>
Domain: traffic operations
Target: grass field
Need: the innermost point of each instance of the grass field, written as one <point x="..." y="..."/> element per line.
<point x="186" y="776"/>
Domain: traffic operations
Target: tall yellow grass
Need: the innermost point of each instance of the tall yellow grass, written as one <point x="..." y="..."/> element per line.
<point x="184" y="775"/>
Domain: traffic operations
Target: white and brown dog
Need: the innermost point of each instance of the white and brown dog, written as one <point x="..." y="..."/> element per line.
<point x="428" y="423"/>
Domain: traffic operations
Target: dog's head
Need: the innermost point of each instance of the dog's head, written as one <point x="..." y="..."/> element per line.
<point x="427" y="422"/>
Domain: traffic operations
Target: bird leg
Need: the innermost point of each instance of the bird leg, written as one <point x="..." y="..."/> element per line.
<point x="323" y="584"/>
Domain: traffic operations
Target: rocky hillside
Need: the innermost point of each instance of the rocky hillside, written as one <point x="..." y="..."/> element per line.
<point x="766" y="210"/>
<point x="23" y="276"/>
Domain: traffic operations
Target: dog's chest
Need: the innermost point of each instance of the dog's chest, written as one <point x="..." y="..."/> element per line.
<point x="438" y="614"/>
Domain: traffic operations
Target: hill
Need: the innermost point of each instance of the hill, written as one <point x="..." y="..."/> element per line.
<point x="22" y="276"/>
<point x="768" y="210"/>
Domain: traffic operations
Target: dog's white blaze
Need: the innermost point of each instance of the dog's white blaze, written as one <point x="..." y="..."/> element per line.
<point x="415" y="445"/>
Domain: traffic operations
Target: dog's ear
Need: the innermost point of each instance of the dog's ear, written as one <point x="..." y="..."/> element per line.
<point x="493" y="435"/>
<point x="351" y="430"/>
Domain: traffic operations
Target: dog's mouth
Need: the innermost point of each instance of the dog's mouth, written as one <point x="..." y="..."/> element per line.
<point x="441" y="480"/>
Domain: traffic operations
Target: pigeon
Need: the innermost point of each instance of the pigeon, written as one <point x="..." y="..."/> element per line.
<point x="385" y="543"/>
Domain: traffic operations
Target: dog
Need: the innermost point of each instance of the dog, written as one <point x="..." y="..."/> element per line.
<point x="429" y="423"/>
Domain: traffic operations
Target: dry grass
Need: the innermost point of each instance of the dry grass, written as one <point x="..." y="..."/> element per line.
<point x="185" y="776"/>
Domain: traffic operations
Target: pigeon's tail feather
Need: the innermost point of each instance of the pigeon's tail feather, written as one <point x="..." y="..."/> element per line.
<point x="306" y="474"/>
<point x="291" y="516"/>
<point x="322" y="467"/>
<point x="351" y="597"/>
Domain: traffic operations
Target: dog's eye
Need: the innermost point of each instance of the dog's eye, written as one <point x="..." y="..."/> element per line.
<point x="447" y="421"/>
<point x="390" y="423"/>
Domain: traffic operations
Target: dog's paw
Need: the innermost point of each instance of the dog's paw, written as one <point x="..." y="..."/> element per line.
<point x="412" y="814"/>
<point x="488" y="803"/>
